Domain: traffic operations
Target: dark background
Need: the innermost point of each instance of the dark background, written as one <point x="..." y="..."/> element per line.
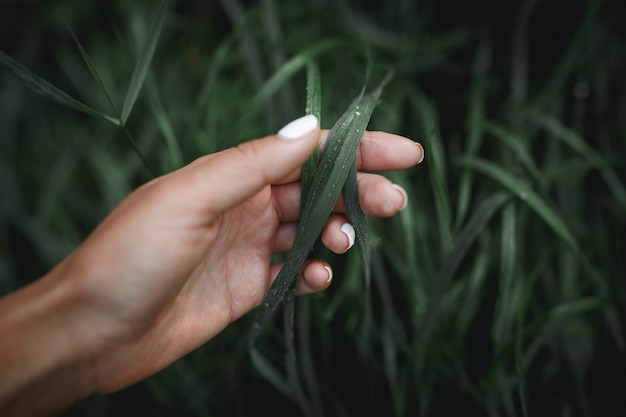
<point x="528" y="329"/>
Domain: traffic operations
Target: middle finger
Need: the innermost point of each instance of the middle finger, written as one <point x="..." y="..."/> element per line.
<point x="377" y="195"/>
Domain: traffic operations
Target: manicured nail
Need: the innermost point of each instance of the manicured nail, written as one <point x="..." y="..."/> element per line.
<point x="330" y="274"/>
<point x="405" y="197"/>
<point x="421" y="151"/>
<point x="348" y="230"/>
<point x="298" y="128"/>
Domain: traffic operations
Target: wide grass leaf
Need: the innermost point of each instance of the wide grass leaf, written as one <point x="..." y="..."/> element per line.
<point x="332" y="173"/>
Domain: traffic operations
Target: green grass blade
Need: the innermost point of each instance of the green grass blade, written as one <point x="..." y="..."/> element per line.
<point x="519" y="146"/>
<point x="270" y="373"/>
<point x="507" y="304"/>
<point x="248" y="44"/>
<point x="291" y="362"/>
<point x="526" y="194"/>
<point x="476" y="113"/>
<point x="164" y="123"/>
<point x="519" y="362"/>
<point x="142" y="156"/>
<point x="468" y="235"/>
<point x="307" y="361"/>
<point x="284" y="73"/>
<point x="47" y="90"/>
<point x="577" y="51"/>
<point x="578" y="144"/>
<point x="313" y="90"/>
<point x="337" y="158"/>
<point x="143" y="63"/>
<point x="473" y="296"/>
<point x="564" y="311"/>
<point x="94" y="71"/>
<point x="437" y="169"/>
<point x="314" y="107"/>
<point x="356" y="217"/>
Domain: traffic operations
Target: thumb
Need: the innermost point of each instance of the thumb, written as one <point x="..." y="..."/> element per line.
<point x="225" y="179"/>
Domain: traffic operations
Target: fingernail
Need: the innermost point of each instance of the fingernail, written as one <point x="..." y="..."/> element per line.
<point x="330" y="274"/>
<point x="405" y="197"/>
<point x="298" y="128"/>
<point x="421" y="151"/>
<point x="348" y="230"/>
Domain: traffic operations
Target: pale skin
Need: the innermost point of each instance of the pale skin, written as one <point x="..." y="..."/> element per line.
<point x="177" y="261"/>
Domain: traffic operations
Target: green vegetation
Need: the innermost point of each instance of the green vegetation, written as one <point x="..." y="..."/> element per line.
<point x="500" y="289"/>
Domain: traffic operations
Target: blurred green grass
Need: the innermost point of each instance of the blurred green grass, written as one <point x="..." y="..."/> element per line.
<point x="499" y="291"/>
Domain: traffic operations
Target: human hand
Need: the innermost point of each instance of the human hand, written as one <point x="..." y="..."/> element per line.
<point x="190" y="252"/>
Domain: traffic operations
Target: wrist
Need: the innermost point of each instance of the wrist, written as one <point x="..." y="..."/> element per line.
<point x="45" y="366"/>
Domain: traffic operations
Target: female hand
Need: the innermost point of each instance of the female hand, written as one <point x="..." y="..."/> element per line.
<point x="185" y="255"/>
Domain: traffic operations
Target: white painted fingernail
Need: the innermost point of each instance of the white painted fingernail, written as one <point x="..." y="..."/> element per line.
<point x="405" y="197"/>
<point x="299" y="127"/>
<point x="330" y="274"/>
<point x="348" y="230"/>
<point x="422" y="152"/>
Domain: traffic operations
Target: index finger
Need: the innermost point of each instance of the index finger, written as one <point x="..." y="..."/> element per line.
<point x="379" y="151"/>
<point x="382" y="151"/>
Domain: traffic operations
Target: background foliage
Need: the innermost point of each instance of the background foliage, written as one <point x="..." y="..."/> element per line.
<point x="499" y="291"/>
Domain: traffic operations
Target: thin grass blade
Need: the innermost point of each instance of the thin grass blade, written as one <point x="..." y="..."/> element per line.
<point x="477" y="108"/>
<point x="526" y="194"/>
<point x="356" y="217"/>
<point x="314" y="107"/>
<point x="307" y="346"/>
<point x="94" y="71"/>
<point x="290" y="358"/>
<point x="507" y="304"/>
<point x="284" y="73"/>
<point x="578" y="144"/>
<point x="437" y="169"/>
<point x="162" y="119"/>
<point x="472" y="297"/>
<point x="474" y="227"/>
<point x="143" y="63"/>
<point x="47" y="90"/>
<point x="519" y="362"/>
<point x="270" y="373"/>
<point x="518" y="145"/>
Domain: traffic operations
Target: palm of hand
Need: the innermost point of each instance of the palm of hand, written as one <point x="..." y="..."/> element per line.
<point x="179" y="308"/>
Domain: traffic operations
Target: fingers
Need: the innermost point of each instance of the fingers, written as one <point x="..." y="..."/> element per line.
<point x="314" y="276"/>
<point x="378" y="197"/>
<point x="338" y="235"/>
<point x="381" y="151"/>
<point x="223" y="180"/>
